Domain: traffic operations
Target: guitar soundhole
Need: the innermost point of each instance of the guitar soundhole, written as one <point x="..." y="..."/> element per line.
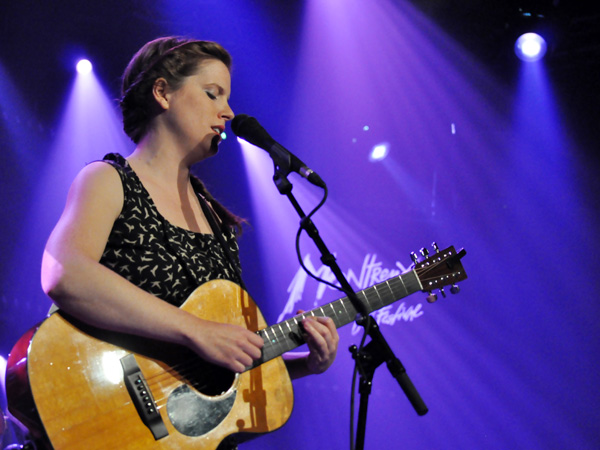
<point x="212" y="380"/>
<point x="204" y="377"/>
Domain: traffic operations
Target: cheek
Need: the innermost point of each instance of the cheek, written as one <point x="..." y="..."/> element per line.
<point x="193" y="111"/>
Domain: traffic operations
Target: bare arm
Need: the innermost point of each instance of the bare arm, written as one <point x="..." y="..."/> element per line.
<point x="73" y="277"/>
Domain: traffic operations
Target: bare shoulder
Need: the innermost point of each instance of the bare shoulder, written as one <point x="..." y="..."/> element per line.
<point x="94" y="202"/>
<point x="97" y="185"/>
<point x="98" y="174"/>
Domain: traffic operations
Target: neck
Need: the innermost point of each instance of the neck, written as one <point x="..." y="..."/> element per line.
<point x="161" y="161"/>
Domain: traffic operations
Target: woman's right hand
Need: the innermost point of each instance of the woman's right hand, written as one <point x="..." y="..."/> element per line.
<point x="230" y="346"/>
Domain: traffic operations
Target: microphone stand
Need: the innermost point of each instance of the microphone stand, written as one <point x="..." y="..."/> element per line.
<point x="377" y="350"/>
<point x="367" y="360"/>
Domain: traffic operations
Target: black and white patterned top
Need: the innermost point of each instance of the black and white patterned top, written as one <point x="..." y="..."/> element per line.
<point x="163" y="259"/>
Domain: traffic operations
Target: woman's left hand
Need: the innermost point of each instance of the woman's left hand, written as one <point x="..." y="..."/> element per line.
<point x="322" y="339"/>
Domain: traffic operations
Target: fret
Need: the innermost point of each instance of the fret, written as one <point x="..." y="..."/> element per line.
<point x="333" y="313"/>
<point x="386" y="293"/>
<point x="350" y="315"/>
<point x="366" y="300"/>
<point x="266" y="337"/>
<point x="337" y="312"/>
<point x="287" y="323"/>
<point x="295" y="328"/>
<point x="374" y="302"/>
<point x="283" y="343"/>
<point x="404" y="289"/>
<point x="379" y="297"/>
<point x="286" y="343"/>
<point x="397" y="287"/>
<point x="411" y="283"/>
<point x="269" y="351"/>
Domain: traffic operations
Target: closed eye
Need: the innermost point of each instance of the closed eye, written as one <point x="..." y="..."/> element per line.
<point x="211" y="95"/>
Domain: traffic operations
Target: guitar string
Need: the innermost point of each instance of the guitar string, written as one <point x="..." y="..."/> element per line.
<point x="185" y="371"/>
<point x="158" y="380"/>
<point x="426" y="269"/>
<point x="181" y="372"/>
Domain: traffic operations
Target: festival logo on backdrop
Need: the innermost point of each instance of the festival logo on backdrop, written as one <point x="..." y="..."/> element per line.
<point x="372" y="272"/>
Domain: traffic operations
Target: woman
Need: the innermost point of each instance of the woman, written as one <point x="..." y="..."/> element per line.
<point x="135" y="238"/>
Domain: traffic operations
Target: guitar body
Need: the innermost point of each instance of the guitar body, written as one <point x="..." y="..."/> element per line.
<point x="65" y="381"/>
<point x="77" y="387"/>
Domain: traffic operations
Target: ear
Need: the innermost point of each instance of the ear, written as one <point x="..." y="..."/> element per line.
<point x="160" y="92"/>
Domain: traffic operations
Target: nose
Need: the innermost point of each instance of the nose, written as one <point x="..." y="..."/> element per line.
<point x="227" y="113"/>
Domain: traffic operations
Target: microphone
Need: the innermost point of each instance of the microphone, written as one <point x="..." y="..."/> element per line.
<point x="249" y="129"/>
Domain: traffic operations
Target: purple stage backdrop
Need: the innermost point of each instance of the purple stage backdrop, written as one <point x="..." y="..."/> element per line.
<point x="500" y="159"/>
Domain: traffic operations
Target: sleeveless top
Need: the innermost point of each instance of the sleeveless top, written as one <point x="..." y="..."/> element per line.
<point x="165" y="260"/>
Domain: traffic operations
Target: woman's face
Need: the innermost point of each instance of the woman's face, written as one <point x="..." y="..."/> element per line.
<point x="196" y="112"/>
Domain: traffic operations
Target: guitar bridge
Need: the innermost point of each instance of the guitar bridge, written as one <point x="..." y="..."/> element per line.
<point x="142" y="397"/>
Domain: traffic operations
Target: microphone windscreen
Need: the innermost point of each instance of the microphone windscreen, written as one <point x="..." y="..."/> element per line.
<point x="249" y="129"/>
<point x="237" y="124"/>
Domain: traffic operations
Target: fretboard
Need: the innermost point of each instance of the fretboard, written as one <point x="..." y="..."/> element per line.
<point x="286" y="335"/>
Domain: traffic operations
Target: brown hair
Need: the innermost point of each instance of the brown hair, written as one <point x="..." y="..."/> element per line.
<point x="172" y="58"/>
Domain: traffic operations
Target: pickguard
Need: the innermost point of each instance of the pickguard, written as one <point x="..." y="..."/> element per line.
<point x="195" y="414"/>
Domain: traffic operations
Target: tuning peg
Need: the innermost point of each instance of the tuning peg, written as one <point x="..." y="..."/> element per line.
<point x="414" y="257"/>
<point x="443" y="293"/>
<point x="425" y="252"/>
<point x="454" y="289"/>
<point x="431" y="298"/>
<point x="436" y="247"/>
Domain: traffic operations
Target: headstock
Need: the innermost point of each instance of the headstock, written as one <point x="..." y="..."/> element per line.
<point x="443" y="268"/>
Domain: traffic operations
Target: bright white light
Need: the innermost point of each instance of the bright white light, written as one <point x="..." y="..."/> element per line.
<point x="379" y="152"/>
<point x="2" y="380"/>
<point x="111" y="366"/>
<point x="530" y="47"/>
<point x="84" y="66"/>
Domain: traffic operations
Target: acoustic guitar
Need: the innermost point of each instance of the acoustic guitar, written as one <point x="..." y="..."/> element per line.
<point x="78" y="387"/>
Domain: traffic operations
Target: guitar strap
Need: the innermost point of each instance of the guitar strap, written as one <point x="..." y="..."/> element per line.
<point x="212" y="218"/>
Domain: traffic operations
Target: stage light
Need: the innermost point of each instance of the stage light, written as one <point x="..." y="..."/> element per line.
<point x="534" y="30"/>
<point x="84" y="66"/>
<point x="379" y="152"/>
<point x="530" y="47"/>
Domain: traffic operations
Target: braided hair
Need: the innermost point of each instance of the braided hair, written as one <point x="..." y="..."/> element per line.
<point x="172" y="58"/>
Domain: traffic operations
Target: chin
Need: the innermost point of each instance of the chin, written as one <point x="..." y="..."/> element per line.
<point x="206" y="149"/>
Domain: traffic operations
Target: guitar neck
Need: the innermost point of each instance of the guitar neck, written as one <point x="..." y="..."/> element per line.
<point x="286" y="335"/>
